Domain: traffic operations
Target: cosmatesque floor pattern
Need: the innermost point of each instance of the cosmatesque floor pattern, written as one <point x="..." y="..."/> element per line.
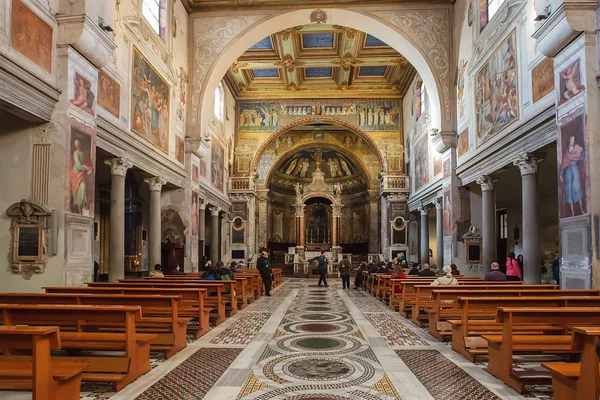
<point x="313" y="343"/>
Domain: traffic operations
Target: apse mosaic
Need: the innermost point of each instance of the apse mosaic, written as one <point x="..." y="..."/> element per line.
<point x="368" y="115"/>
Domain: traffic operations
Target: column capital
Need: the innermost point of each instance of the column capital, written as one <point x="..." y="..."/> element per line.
<point x="424" y="209"/>
<point x="155" y="183"/>
<point x="214" y="211"/>
<point x="337" y="210"/>
<point x="528" y="163"/>
<point x="487" y="182"/>
<point x="118" y="166"/>
<point x="438" y="203"/>
<point x="201" y="204"/>
<point x="300" y="210"/>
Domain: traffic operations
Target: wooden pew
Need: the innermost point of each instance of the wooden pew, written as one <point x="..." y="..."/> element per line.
<point x="572" y="381"/>
<point x="47" y="380"/>
<point x="161" y="314"/>
<point x="479" y="313"/>
<point x="447" y="307"/>
<point x="214" y="298"/>
<point x="257" y="282"/>
<point x="501" y="348"/>
<point x="117" y="369"/>
<point x="193" y="300"/>
<point x="424" y="299"/>
<point x="364" y="283"/>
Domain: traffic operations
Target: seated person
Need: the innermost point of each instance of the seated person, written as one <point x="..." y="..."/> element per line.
<point x="455" y="270"/>
<point x="414" y="270"/>
<point x="398" y="274"/>
<point x="209" y="274"/>
<point x="157" y="272"/>
<point x="495" y="274"/>
<point x="447" y="279"/>
<point x="426" y="270"/>
<point x="176" y="270"/>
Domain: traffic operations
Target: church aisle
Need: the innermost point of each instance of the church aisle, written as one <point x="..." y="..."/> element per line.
<point x="315" y="343"/>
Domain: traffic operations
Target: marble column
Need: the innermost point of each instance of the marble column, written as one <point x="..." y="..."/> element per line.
<point x="300" y="239"/>
<point x="488" y="220"/>
<point x="214" y="234"/>
<point x="154" y="233"/>
<point x="335" y="242"/>
<point x="424" y="210"/>
<point x="374" y="231"/>
<point x="528" y="165"/>
<point x="263" y="217"/>
<point x="439" y="234"/>
<point x="202" y="224"/>
<point x="118" y="170"/>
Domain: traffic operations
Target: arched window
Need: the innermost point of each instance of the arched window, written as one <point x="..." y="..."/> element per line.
<point x="419" y="97"/>
<point x="219" y="106"/>
<point x="155" y="12"/>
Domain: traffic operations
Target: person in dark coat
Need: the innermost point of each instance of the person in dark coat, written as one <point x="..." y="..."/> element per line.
<point x="414" y="270"/>
<point x="556" y="269"/>
<point x="495" y="274"/>
<point x="264" y="267"/>
<point x="359" y="276"/>
<point x="426" y="271"/>
<point x="322" y="268"/>
<point x="176" y="270"/>
<point x="344" y="267"/>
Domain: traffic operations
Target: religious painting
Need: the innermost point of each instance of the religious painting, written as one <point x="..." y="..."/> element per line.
<point x="437" y="164"/>
<point x="422" y="161"/>
<point x="460" y="85"/>
<point x="217" y="165"/>
<point x="80" y="174"/>
<point x="377" y="115"/>
<point x="446" y="165"/>
<point x="573" y="175"/>
<point x="304" y="163"/>
<point x="31" y="36"/>
<point x="483" y="14"/>
<point x="109" y="94"/>
<point x="496" y="94"/>
<point x="542" y="79"/>
<point x="470" y="14"/>
<point x="447" y="211"/>
<point x="463" y="143"/>
<point x="195" y="173"/>
<point x="194" y="214"/>
<point x="570" y="82"/>
<point x="82" y="94"/>
<point x="179" y="149"/>
<point x="203" y="168"/>
<point x="150" y="103"/>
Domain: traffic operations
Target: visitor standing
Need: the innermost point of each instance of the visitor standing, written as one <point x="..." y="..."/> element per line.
<point x="556" y="269"/>
<point x="359" y="275"/>
<point x="520" y="261"/>
<point x="513" y="271"/>
<point x="264" y="268"/>
<point x="344" y="267"/>
<point x="322" y="268"/>
<point x="495" y="273"/>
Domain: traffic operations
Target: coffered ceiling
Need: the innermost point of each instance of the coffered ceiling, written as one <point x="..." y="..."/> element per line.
<point x="320" y="61"/>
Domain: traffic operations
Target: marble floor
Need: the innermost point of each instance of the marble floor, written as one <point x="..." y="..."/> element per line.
<point x="313" y="343"/>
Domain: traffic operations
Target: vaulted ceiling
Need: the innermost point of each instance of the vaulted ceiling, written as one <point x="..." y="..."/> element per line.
<point x="325" y="61"/>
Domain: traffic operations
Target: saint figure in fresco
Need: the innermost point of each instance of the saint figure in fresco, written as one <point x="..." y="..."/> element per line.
<point x="81" y="168"/>
<point x="570" y="176"/>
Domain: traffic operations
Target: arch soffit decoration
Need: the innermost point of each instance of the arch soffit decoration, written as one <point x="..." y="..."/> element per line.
<point x="328" y="120"/>
<point x="283" y="157"/>
<point x="421" y="35"/>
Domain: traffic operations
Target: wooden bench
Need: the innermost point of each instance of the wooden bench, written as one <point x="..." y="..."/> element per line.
<point x="501" y="348"/>
<point x="479" y="318"/>
<point x="161" y="314"/>
<point x="193" y="301"/>
<point x="47" y="380"/>
<point x="215" y="296"/>
<point x="113" y="367"/>
<point x="572" y="381"/>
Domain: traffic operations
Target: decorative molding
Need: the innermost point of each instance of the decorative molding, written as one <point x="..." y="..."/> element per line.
<point x="157" y="49"/>
<point x="155" y="183"/>
<point x="487" y="182"/>
<point x="118" y="166"/>
<point x="528" y="163"/>
<point x="318" y="16"/>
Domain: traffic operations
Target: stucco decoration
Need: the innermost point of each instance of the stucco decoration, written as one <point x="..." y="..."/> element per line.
<point x="211" y="36"/>
<point x="429" y="31"/>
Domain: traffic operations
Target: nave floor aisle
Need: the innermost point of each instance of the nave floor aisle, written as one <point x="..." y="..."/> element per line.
<point x="314" y="343"/>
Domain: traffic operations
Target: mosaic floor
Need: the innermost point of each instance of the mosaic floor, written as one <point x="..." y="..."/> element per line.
<point x="313" y="343"/>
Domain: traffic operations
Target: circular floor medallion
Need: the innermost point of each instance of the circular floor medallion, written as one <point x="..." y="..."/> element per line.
<point x="318" y="317"/>
<point x="319" y="343"/>
<point x="317" y="303"/>
<point x="319" y="369"/>
<point x="321" y="328"/>
<point x="317" y="308"/>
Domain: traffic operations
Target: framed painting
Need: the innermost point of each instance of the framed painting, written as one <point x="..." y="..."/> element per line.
<point x="437" y="164"/>
<point x="542" y="79"/>
<point x="496" y="91"/>
<point x="217" y="165"/>
<point x="31" y="36"/>
<point x="463" y="143"/>
<point x="150" y="102"/>
<point x="573" y="167"/>
<point x="82" y="92"/>
<point x="422" y="161"/>
<point x="446" y="166"/>
<point x="109" y="94"/>
<point x="80" y="170"/>
<point x="570" y="82"/>
<point x="179" y="149"/>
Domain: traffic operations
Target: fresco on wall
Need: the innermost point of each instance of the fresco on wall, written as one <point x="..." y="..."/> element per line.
<point x="382" y="115"/>
<point x="203" y="168"/>
<point x="460" y="86"/>
<point x="463" y="143"/>
<point x="446" y="165"/>
<point x="217" y="165"/>
<point x="179" y="149"/>
<point x="542" y="79"/>
<point x="109" y="94"/>
<point x="570" y="82"/>
<point x="422" y="161"/>
<point x="150" y="100"/>
<point x="82" y="92"/>
<point x="437" y="164"/>
<point x="80" y="170"/>
<point x="496" y="94"/>
<point x="573" y="178"/>
<point x="483" y="14"/>
<point x="31" y="36"/>
<point x="447" y="209"/>
<point x="195" y="174"/>
<point x="194" y="214"/>
<point x="304" y="163"/>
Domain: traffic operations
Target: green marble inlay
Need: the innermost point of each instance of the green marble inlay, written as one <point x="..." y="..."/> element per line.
<point x="318" y="343"/>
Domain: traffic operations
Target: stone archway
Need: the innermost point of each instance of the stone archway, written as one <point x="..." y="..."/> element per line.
<point x="420" y="34"/>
